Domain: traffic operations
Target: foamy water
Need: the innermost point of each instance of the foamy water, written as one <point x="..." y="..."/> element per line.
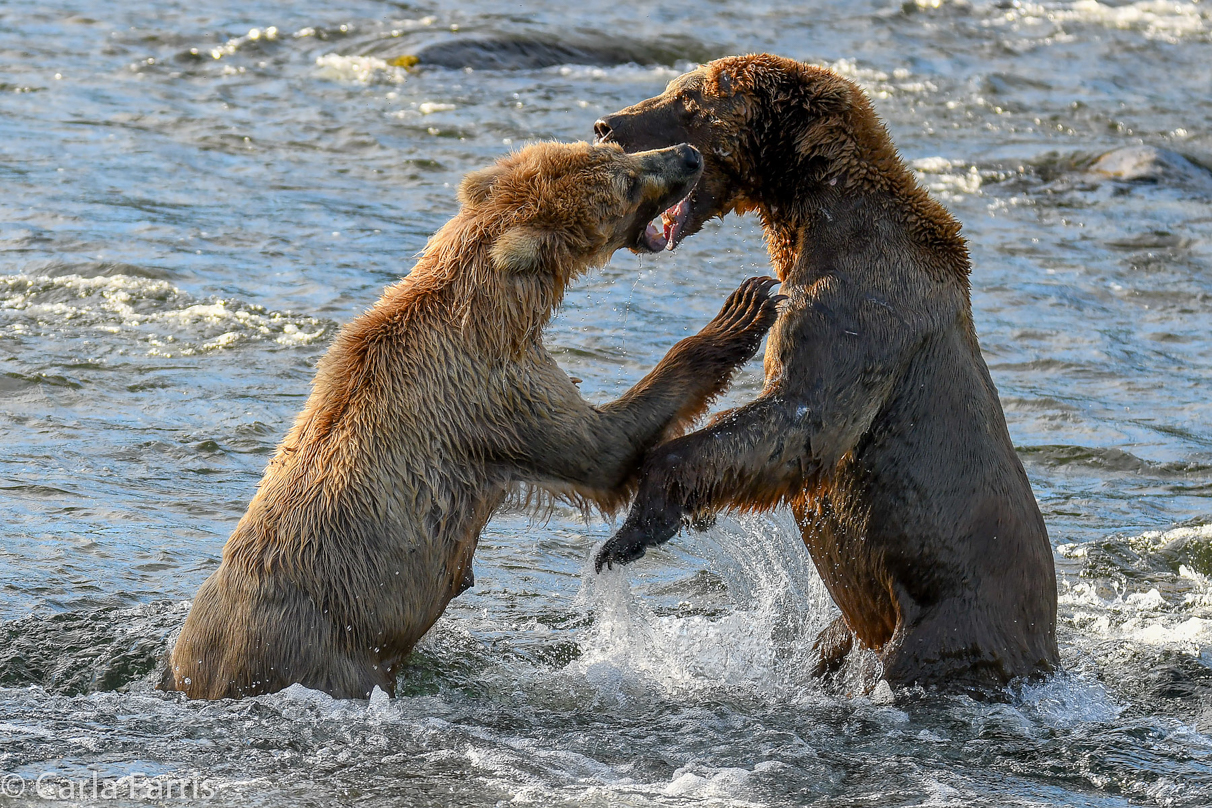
<point x="151" y="313"/>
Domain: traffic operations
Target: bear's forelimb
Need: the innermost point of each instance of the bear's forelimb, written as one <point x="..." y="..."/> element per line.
<point x="751" y="458"/>
<point x="563" y="441"/>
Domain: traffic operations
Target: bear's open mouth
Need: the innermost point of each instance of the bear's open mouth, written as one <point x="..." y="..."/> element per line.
<point x="673" y="227"/>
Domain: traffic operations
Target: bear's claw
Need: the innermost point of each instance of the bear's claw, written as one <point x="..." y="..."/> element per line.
<point x="622" y="548"/>
<point x="745" y="318"/>
<point x="645" y="526"/>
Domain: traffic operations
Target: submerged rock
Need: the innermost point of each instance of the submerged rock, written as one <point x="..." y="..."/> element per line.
<point x="1149" y="164"/>
<point x="518" y="52"/>
<point x="1119" y="171"/>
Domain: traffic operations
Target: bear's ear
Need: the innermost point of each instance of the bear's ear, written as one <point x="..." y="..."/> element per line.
<point x="520" y="249"/>
<point x="725" y="82"/>
<point x="477" y="185"/>
<point x="822" y="99"/>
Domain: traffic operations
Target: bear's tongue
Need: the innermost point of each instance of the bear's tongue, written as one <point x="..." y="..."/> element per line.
<point x="669" y="234"/>
<point x="654" y="239"/>
<point x="674" y="221"/>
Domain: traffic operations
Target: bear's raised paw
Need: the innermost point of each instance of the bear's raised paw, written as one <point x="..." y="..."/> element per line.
<point x="747" y="315"/>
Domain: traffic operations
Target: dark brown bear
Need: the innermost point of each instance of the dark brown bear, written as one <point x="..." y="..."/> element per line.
<point x="879" y="423"/>
<point x="430" y="409"/>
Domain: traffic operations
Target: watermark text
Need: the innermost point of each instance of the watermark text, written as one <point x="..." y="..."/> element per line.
<point x="134" y="786"/>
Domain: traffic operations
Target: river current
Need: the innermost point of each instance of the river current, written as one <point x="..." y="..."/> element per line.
<point x="194" y="197"/>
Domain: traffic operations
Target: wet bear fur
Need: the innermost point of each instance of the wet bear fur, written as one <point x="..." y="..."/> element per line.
<point x="879" y="423"/>
<point x="432" y="408"/>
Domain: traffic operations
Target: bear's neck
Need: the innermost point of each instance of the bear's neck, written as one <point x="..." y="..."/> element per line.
<point x="504" y="312"/>
<point x="867" y="199"/>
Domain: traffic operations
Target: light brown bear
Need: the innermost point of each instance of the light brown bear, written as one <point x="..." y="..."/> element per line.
<point x="879" y="423"/>
<point x="433" y="407"/>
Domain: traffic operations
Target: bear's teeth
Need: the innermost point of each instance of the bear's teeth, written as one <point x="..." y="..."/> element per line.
<point x="669" y="219"/>
<point x="673" y="219"/>
<point x="654" y="239"/>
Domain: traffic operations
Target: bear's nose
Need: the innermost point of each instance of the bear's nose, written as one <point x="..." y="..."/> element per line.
<point x="690" y="156"/>
<point x="603" y="129"/>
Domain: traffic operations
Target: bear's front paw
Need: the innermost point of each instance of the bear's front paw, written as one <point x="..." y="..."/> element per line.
<point x="745" y="318"/>
<point x="623" y="547"/>
<point x="654" y="518"/>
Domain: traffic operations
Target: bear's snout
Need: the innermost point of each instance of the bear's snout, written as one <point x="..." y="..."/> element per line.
<point x="651" y="125"/>
<point x="673" y="166"/>
<point x="691" y="159"/>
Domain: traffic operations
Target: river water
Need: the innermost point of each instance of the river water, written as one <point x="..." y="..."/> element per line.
<point x="196" y="195"/>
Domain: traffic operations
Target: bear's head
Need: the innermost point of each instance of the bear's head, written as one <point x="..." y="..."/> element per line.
<point x="768" y="127"/>
<point x="564" y="207"/>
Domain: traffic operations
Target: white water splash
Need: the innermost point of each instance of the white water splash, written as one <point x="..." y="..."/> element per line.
<point x="358" y="69"/>
<point x="167" y="321"/>
<point x="233" y="45"/>
<point x="878" y="83"/>
<point x="1179" y="620"/>
<point x="951" y="180"/>
<point x="761" y="644"/>
<point x="1067" y="700"/>
<point x="1165" y="20"/>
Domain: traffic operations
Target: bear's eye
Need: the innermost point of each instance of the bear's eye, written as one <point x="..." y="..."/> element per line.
<point x="634" y="185"/>
<point x="686" y="105"/>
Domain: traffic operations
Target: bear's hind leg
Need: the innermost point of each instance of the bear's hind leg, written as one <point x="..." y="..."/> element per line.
<point x="345" y="677"/>
<point x="947" y="647"/>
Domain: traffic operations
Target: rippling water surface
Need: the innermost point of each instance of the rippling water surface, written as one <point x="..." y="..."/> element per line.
<point x="196" y="195"/>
